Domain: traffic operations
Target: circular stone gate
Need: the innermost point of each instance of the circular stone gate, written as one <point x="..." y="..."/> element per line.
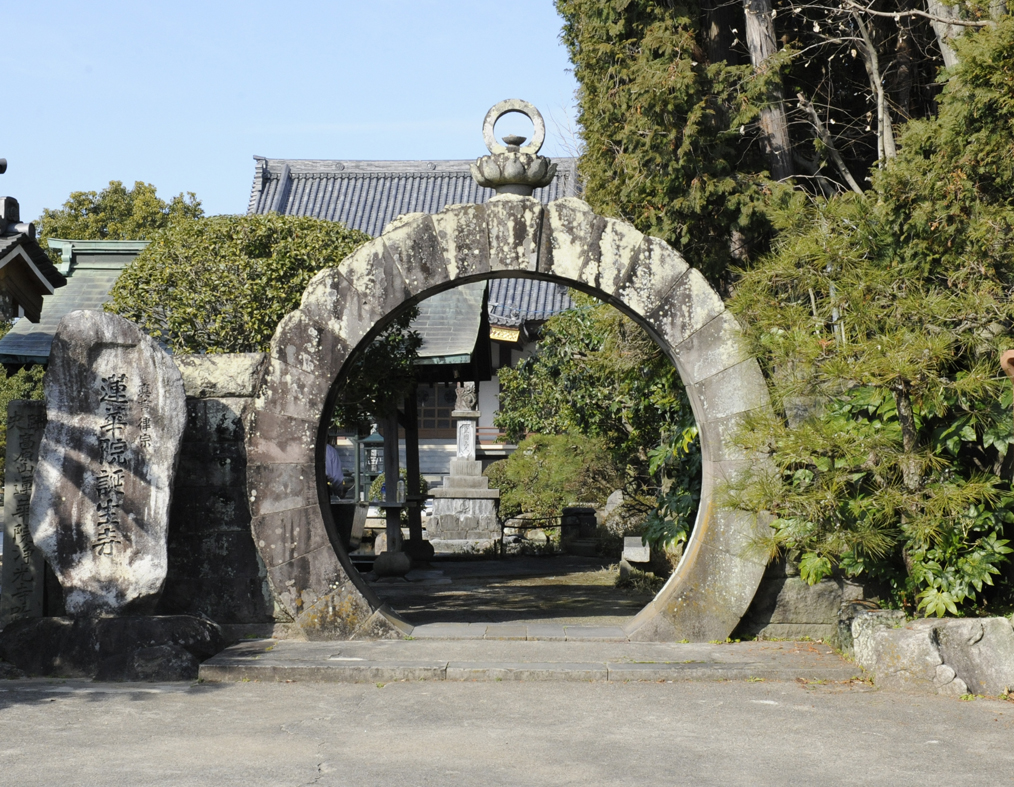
<point x="419" y="255"/>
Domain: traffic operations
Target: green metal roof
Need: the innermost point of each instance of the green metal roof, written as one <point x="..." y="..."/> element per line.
<point x="91" y="268"/>
<point x="449" y="324"/>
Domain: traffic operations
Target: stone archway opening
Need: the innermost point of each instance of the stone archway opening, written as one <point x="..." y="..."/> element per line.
<point x="510" y="235"/>
<point x="528" y="572"/>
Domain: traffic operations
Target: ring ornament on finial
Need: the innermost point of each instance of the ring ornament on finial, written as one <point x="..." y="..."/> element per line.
<point x="513" y="168"/>
<point x="505" y="107"/>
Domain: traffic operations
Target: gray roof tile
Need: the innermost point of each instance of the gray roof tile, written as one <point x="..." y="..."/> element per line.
<point x="516" y="301"/>
<point x="367" y="195"/>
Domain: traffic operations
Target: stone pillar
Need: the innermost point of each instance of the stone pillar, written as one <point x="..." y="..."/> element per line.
<point x="23" y="565"/>
<point x="392" y="475"/>
<point x="393" y="562"/>
<point x="464" y="509"/>
<point x="418" y="549"/>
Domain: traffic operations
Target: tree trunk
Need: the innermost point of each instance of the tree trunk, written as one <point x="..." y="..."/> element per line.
<point x="760" y="39"/>
<point x="944" y="32"/>
<point x="904" y="57"/>
<point x="886" y="148"/>
<point x="909" y="436"/>
<point x="719" y="19"/>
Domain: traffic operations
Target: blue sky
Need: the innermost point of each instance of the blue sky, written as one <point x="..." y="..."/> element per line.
<point x="183" y="94"/>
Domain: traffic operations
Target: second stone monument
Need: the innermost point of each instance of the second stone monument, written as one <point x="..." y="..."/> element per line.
<point x="464" y="508"/>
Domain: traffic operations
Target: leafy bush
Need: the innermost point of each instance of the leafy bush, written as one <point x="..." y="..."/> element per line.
<point x="222" y="284"/>
<point x="25" y="383"/>
<point x="548" y="472"/>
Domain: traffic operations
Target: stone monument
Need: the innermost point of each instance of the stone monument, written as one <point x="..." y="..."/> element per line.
<point x="464" y="508"/>
<point x="23" y="565"/>
<point x="100" y="505"/>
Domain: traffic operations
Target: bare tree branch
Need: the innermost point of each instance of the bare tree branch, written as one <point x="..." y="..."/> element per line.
<point x="926" y="15"/>
<point x="825" y="137"/>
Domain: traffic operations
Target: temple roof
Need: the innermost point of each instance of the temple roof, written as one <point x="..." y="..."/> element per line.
<point x="90" y="268"/>
<point x="367" y="195"/>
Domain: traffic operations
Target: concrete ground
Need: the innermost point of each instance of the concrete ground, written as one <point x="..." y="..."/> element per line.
<point x="509" y="733"/>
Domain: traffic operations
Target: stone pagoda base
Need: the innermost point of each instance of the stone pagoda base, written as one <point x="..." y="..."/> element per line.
<point x="464" y="510"/>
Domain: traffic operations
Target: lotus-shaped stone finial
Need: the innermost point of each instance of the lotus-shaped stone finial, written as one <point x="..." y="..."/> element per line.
<point x="513" y="168"/>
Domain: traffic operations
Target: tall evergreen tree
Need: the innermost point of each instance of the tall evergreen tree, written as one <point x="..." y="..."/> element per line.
<point x="880" y="319"/>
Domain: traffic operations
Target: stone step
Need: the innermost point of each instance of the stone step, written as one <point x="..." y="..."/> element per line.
<point x="472" y="467"/>
<point x="465" y="482"/>
<point x="430" y="658"/>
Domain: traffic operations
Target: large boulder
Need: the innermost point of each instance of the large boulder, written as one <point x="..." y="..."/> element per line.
<point x="944" y="656"/>
<point x="169" y="647"/>
<point x="115" y="411"/>
<point x="980" y="651"/>
<point x="907" y="659"/>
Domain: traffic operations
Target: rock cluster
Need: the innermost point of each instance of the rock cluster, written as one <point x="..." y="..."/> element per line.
<point x="944" y="656"/>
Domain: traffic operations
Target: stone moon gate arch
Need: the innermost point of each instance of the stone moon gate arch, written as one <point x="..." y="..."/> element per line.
<point x="419" y="254"/>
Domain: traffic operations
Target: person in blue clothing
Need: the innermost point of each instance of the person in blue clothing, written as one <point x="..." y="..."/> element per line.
<point x="333" y="470"/>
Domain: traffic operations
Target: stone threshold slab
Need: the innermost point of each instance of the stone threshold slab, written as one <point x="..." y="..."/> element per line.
<point x="506" y="660"/>
<point x="548" y="632"/>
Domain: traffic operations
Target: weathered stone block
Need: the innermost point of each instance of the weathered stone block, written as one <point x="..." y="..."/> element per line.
<point x="980" y="651"/>
<point x="300" y="582"/>
<point x="285" y="487"/>
<point x="333" y="302"/>
<point x="106" y="647"/>
<point x="290" y="391"/>
<point x="789" y="601"/>
<point x="281" y="439"/>
<point x="212" y="464"/>
<point x="904" y="658"/>
<point x="620" y="248"/>
<point x="687" y="307"/>
<point x="635" y="550"/>
<point x="736" y="390"/>
<point x="466" y="467"/>
<point x="221" y="374"/>
<point x="513" y="223"/>
<point x="462" y="232"/>
<point x="309" y="346"/>
<point x="718" y="438"/>
<point x="198" y="509"/>
<point x="702" y="602"/>
<point x="569" y="248"/>
<point x="337" y="613"/>
<point x="416" y="249"/>
<point x="648" y="283"/>
<point x="372" y="271"/>
<point x="718" y="345"/>
<point x="23" y="566"/>
<point x="283" y="534"/>
<point x="735" y="532"/>
<point x="100" y="505"/>
<point x="224" y="420"/>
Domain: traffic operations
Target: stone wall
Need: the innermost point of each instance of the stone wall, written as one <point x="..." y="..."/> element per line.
<point x="786" y="607"/>
<point x="214" y="568"/>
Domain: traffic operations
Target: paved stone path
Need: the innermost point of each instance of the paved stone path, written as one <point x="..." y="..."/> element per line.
<point x="519" y="589"/>
<point x="491" y="659"/>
